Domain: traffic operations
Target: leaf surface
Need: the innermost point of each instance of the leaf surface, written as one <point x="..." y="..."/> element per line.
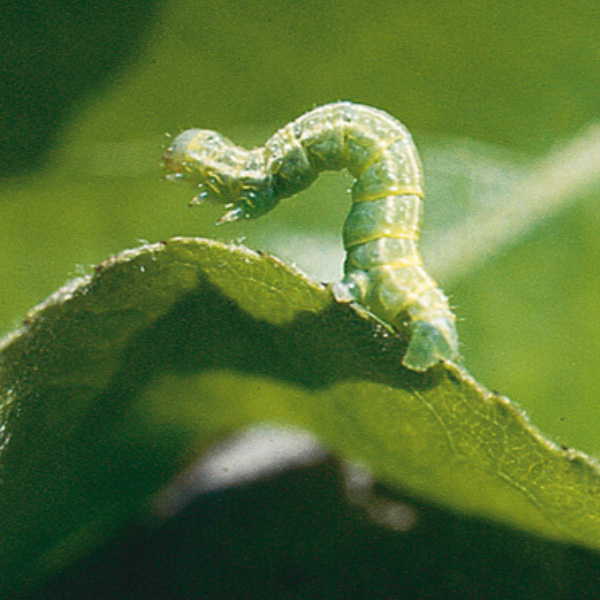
<point x="120" y="379"/>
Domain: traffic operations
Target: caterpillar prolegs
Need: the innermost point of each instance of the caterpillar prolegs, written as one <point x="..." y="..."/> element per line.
<point x="383" y="268"/>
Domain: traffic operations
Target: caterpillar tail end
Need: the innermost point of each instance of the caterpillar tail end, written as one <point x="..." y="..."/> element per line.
<point x="431" y="342"/>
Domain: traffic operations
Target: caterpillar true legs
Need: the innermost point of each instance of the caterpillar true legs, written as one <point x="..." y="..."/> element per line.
<point x="383" y="268"/>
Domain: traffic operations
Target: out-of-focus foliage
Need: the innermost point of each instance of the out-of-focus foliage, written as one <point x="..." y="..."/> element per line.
<point x="52" y="54"/>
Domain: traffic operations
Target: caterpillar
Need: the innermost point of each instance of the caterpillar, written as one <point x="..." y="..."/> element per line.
<point x="383" y="269"/>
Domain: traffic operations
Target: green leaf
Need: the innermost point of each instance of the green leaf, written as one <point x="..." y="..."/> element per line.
<point x="121" y="378"/>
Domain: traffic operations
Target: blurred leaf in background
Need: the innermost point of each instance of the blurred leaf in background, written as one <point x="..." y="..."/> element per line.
<point x="54" y="54"/>
<point x="502" y="98"/>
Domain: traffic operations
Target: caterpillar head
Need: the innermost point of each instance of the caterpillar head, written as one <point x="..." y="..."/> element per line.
<point x="222" y="173"/>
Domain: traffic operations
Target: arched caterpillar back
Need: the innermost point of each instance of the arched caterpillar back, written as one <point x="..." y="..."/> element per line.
<point x="383" y="267"/>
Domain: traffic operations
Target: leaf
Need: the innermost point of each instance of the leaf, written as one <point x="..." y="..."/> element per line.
<point x="119" y="379"/>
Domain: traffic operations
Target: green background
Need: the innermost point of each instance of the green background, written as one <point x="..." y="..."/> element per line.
<point x="488" y="89"/>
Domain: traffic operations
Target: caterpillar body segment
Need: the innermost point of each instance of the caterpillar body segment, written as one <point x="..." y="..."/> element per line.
<point x="383" y="267"/>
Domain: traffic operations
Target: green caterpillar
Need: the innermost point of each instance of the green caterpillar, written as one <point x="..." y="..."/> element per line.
<point x="383" y="267"/>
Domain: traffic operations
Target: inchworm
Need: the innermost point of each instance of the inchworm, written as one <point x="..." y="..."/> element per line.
<point x="383" y="269"/>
